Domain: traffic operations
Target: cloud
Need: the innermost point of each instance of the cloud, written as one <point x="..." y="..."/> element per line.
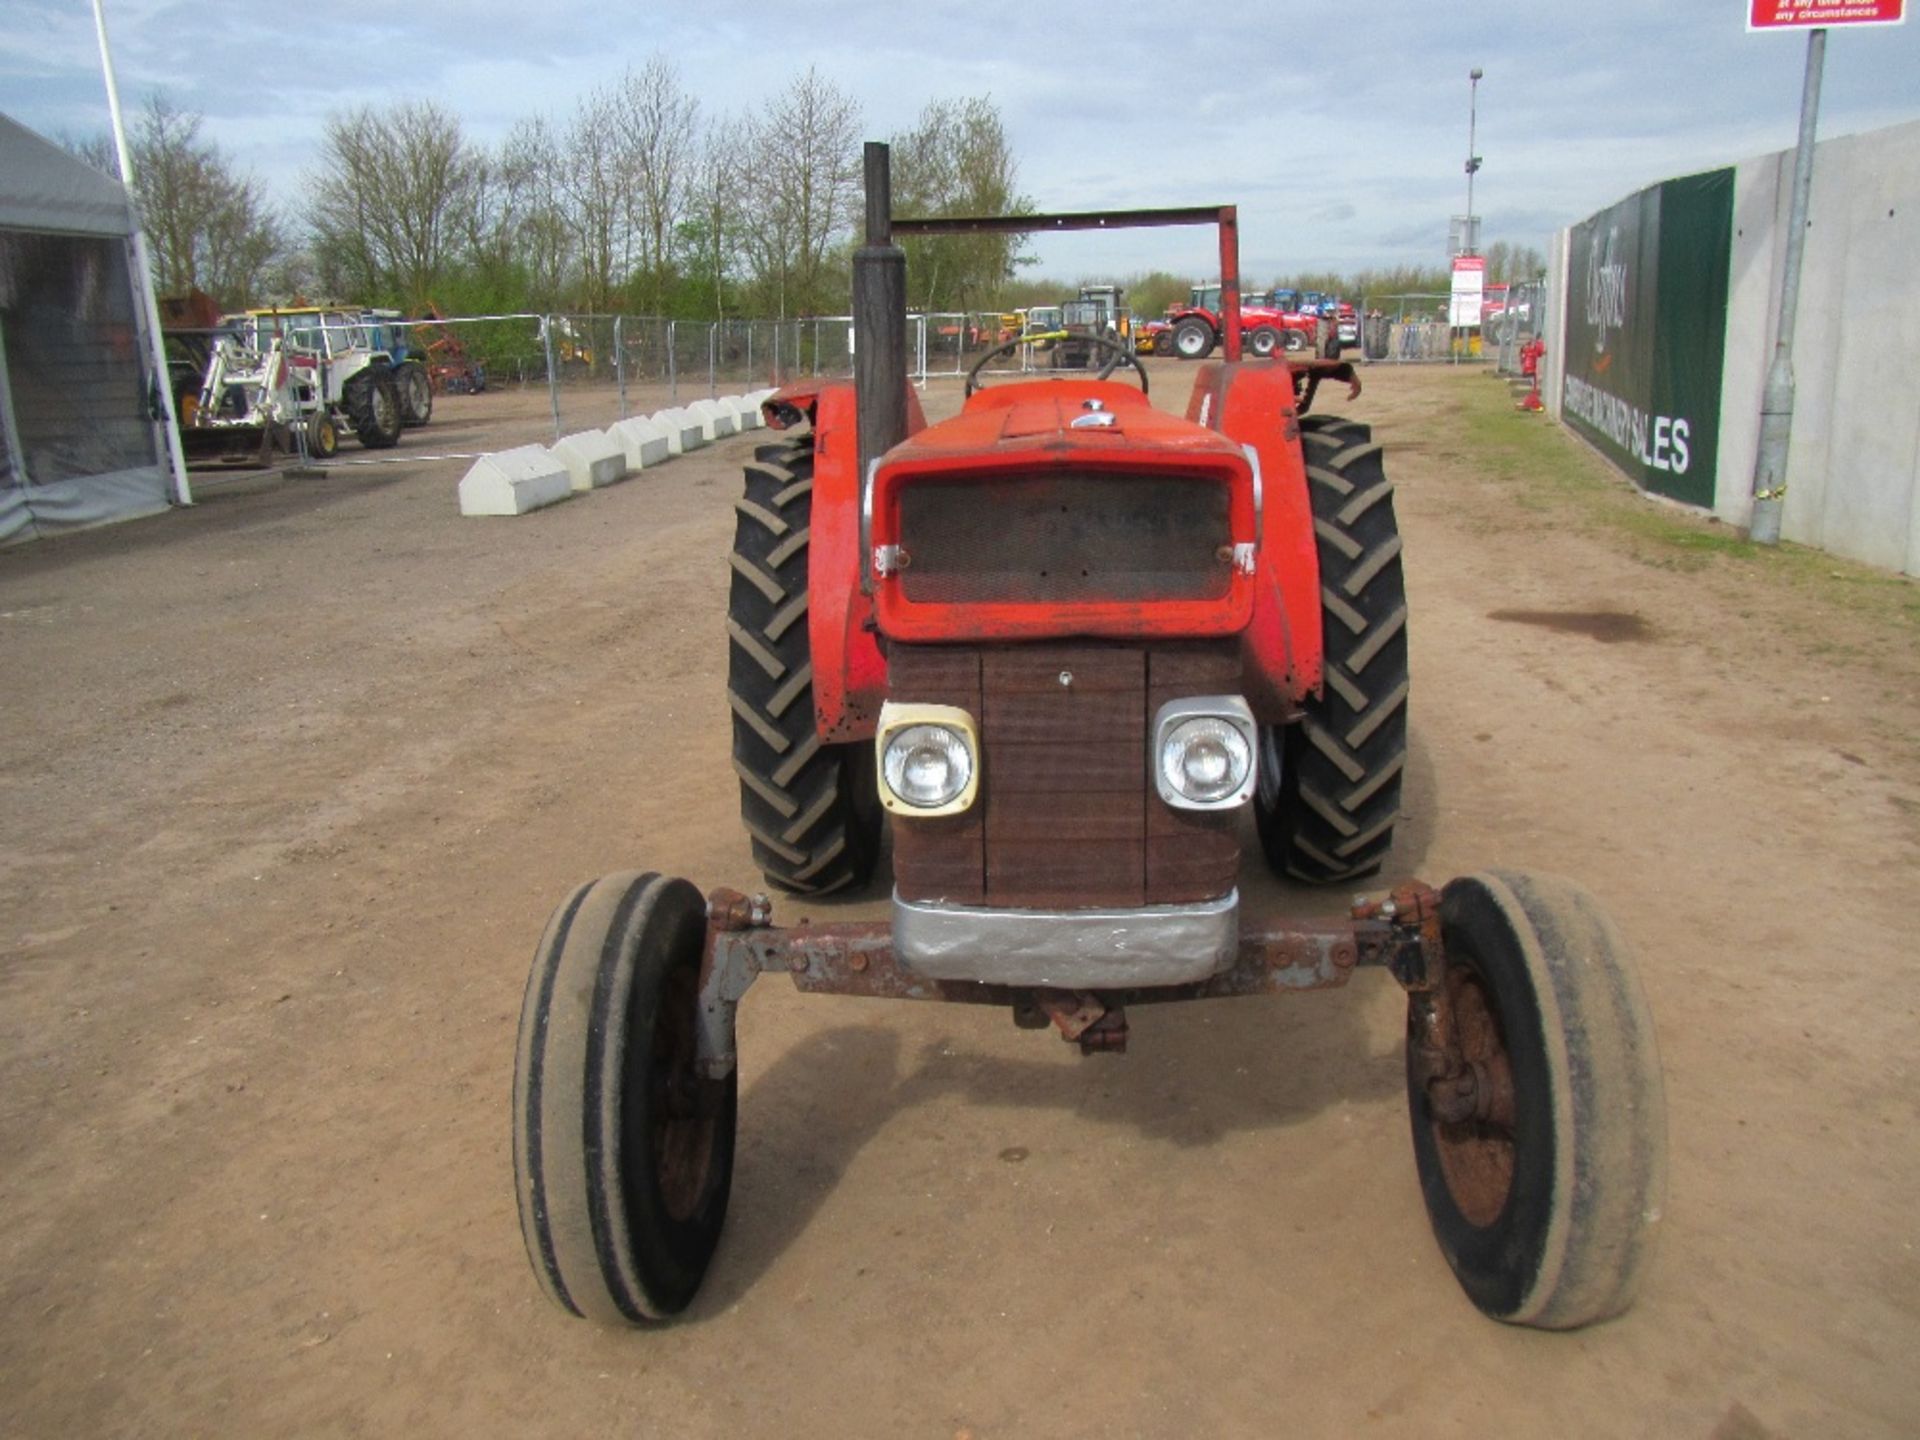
<point x="1341" y="151"/>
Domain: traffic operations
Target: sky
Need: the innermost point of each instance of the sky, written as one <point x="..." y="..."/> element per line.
<point x="1340" y="131"/>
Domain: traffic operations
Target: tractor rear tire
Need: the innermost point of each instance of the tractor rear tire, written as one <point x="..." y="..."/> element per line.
<point x="416" y="393"/>
<point x="622" y="1149"/>
<point x="372" y="403"/>
<point x="811" y="809"/>
<point x="1193" y="339"/>
<point x="1347" y="432"/>
<point x="1329" y="792"/>
<point x="1548" y="1208"/>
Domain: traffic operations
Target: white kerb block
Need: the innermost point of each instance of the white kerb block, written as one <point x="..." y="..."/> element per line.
<point x="716" y="416"/>
<point x="684" y="432"/>
<point x="513" y="482"/>
<point x="646" y="441"/>
<point x="746" y="414"/>
<point x="593" y="458"/>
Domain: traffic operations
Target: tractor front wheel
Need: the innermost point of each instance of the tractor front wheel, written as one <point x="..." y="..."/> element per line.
<point x="1546" y="1200"/>
<point x="1193" y="339"/>
<point x="373" y="407"/>
<point x="1329" y="788"/>
<point x="622" y="1149"/>
<point x="323" y="436"/>
<point x="811" y="809"/>
<point x="1295" y="340"/>
<point x="1264" y="340"/>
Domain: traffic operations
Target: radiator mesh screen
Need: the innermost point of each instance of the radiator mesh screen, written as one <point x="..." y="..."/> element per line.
<point x="1065" y="537"/>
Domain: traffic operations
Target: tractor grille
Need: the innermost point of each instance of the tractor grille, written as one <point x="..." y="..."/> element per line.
<point x="1067" y="815"/>
<point x="1065" y="537"/>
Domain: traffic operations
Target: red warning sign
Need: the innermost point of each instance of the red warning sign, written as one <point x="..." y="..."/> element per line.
<point x="1807" y="14"/>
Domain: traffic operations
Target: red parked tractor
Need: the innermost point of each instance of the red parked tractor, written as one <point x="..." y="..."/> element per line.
<point x="1061" y="644"/>
<point x="1266" y="326"/>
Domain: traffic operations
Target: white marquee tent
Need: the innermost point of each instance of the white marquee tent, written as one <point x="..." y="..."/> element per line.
<point x="77" y="438"/>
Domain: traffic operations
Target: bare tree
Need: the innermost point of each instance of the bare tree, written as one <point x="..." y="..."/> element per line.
<point x="391" y="199"/>
<point x="801" y="192"/>
<point x="710" y="229"/>
<point x="517" y="238"/>
<point x="594" y="180"/>
<point x="956" y="161"/>
<point x="658" y="125"/>
<point x="209" y="227"/>
<point x="96" y="149"/>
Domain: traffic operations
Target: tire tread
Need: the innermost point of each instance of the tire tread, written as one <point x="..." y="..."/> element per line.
<point x="807" y="807"/>
<point x="1342" y="765"/>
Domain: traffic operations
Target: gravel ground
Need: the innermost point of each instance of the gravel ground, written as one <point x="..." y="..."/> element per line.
<point x="289" y="781"/>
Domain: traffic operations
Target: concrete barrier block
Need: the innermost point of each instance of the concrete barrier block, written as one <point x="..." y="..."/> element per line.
<point x="645" y="441"/>
<point x="512" y="482"/>
<point x="684" y="431"/>
<point x="593" y="458"/>
<point x="716" y="416"/>
<point x="746" y="413"/>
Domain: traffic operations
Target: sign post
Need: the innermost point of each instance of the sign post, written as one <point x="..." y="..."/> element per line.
<point x="1776" y="404"/>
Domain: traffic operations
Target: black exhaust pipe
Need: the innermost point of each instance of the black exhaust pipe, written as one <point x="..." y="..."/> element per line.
<point x="879" y="319"/>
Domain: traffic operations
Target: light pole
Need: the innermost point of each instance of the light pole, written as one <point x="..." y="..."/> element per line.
<point x="1472" y="240"/>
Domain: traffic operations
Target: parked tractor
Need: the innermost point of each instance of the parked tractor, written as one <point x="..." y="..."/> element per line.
<point x="389" y="332"/>
<point x="1199" y="326"/>
<point x="1045" y="328"/>
<point x="1153" y="337"/>
<point x="277" y="371"/>
<point x="1060" y="645"/>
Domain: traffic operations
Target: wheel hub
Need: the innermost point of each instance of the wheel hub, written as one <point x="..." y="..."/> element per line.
<point x="1471" y="1106"/>
<point x="683" y="1134"/>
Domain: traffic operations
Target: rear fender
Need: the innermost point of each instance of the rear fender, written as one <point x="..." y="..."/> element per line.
<point x="849" y="672"/>
<point x="1252" y="403"/>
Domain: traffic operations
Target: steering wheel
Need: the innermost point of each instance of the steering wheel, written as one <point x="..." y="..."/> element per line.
<point x="1121" y="356"/>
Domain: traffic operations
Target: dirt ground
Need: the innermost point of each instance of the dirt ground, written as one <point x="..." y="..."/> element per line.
<point x="289" y="781"/>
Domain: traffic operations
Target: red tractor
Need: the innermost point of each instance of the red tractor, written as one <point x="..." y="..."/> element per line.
<point x="1267" y="327"/>
<point x="1060" y="645"/>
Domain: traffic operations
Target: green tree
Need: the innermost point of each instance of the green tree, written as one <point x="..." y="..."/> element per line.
<point x="956" y="161"/>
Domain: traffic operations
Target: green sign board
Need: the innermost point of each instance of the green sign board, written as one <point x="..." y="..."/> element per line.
<point x="1646" y="332"/>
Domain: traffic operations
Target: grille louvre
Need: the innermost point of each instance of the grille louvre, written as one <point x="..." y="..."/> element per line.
<point x="1065" y="537"/>
<point x="1067" y="817"/>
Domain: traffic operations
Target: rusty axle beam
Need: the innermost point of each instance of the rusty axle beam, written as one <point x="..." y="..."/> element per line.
<point x="857" y="958"/>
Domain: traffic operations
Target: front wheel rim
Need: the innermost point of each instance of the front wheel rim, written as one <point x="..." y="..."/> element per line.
<point x="682" y="1101"/>
<point x="1477" y="1157"/>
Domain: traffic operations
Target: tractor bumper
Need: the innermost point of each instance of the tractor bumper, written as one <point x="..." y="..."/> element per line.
<point x="1068" y="949"/>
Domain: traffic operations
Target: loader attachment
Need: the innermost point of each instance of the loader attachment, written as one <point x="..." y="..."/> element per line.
<point x="233" y="445"/>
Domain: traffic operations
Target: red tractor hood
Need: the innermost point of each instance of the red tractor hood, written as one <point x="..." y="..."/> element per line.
<point x="1056" y="508"/>
<point x="1013" y="419"/>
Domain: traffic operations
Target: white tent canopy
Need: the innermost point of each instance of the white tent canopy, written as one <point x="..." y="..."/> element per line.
<point x="42" y="187"/>
<point x="76" y="436"/>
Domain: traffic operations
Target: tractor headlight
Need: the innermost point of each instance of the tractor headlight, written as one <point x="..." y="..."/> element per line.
<point x="1203" y="752"/>
<point x="928" y="757"/>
